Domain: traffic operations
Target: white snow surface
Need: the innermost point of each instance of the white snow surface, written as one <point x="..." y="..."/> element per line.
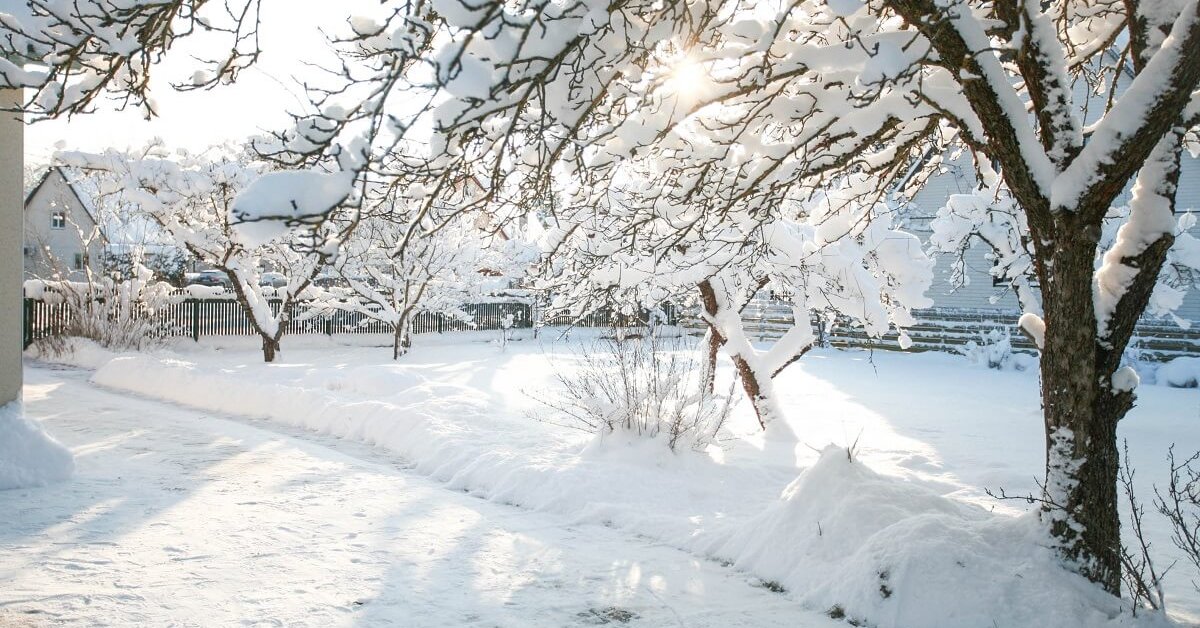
<point x="28" y="455"/>
<point x="180" y="518"/>
<point x="909" y="514"/>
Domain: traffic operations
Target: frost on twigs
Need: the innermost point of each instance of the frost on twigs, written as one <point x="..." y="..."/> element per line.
<point x="84" y="49"/>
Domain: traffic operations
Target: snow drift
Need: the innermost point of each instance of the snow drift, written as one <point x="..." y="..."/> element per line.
<point x="28" y="455"/>
<point x="876" y="549"/>
<point x="888" y="553"/>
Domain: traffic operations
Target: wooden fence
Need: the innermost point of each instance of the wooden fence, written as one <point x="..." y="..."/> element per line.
<point x="197" y="318"/>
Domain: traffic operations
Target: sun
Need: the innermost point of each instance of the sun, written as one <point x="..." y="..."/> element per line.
<point x="687" y="78"/>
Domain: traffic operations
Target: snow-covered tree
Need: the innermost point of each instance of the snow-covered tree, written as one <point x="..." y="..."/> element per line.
<point x="1013" y="79"/>
<point x="829" y="257"/>
<point x="209" y="205"/>
<point x="390" y="279"/>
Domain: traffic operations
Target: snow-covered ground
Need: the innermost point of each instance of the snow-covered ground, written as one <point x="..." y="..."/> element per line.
<point x="181" y="517"/>
<point x="905" y="535"/>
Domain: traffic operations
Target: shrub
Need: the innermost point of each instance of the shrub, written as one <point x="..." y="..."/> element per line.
<point x="648" y="386"/>
<point x="996" y="351"/>
<point x="117" y="314"/>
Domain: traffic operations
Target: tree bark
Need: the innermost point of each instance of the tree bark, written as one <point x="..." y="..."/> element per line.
<point x="1080" y="419"/>
<point x="756" y="391"/>
<point x="270" y="348"/>
<point x="708" y="300"/>
<point x="713" y="342"/>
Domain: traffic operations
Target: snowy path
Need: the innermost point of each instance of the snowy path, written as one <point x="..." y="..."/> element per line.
<point x="178" y="517"/>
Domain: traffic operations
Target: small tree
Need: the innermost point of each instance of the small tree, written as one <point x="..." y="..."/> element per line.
<point x="201" y="201"/>
<point x="390" y="280"/>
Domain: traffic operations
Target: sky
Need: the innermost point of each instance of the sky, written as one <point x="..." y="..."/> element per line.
<point x="258" y="102"/>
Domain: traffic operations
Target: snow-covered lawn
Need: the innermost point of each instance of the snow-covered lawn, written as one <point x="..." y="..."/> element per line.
<point x="905" y="535"/>
<point x="180" y="517"/>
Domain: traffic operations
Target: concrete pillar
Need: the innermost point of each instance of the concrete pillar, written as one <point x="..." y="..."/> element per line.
<point x="12" y="258"/>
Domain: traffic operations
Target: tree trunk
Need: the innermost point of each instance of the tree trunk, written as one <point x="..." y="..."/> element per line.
<point x="757" y="390"/>
<point x="270" y="347"/>
<point x="713" y="342"/>
<point x="1081" y="415"/>
<point x="401" y="340"/>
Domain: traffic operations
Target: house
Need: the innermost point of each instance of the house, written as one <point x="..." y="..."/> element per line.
<point x="63" y="238"/>
<point x="979" y="291"/>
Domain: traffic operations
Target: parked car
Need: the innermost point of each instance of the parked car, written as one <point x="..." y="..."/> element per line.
<point x="274" y="280"/>
<point x="211" y="278"/>
<point x="330" y="281"/>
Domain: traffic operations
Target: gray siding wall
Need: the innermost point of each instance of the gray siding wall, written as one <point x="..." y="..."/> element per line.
<point x="978" y="292"/>
<point x="48" y="250"/>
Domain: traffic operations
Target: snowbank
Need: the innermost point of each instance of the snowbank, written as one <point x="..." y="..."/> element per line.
<point x="1179" y="373"/>
<point x="29" y="456"/>
<point x="79" y="352"/>
<point x="887" y="552"/>
<point x="879" y="548"/>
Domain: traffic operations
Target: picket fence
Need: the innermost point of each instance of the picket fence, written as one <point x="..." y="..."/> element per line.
<point x="197" y="318"/>
<point x="943" y="329"/>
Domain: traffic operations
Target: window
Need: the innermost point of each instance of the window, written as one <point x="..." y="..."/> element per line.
<point x="78" y="261"/>
<point x="58" y="220"/>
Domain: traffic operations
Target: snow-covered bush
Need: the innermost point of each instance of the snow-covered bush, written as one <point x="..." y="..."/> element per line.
<point x="117" y="314"/>
<point x="644" y="386"/>
<point x="995" y="350"/>
<point x="1181" y="372"/>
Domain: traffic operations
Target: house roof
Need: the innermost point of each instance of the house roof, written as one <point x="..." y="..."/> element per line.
<point x="87" y="206"/>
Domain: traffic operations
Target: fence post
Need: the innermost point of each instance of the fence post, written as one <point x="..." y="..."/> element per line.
<point x="329" y="325"/>
<point x="196" y="320"/>
<point x="27" y="325"/>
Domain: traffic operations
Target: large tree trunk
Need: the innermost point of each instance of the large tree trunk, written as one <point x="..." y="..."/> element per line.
<point x="1081" y="452"/>
<point x="1082" y="408"/>
<point x="1079" y="358"/>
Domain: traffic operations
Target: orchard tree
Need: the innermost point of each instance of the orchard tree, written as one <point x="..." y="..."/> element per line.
<point x="827" y="258"/>
<point x="437" y="272"/>
<point x="1012" y="79"/>
<point x="214" y="207"/>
